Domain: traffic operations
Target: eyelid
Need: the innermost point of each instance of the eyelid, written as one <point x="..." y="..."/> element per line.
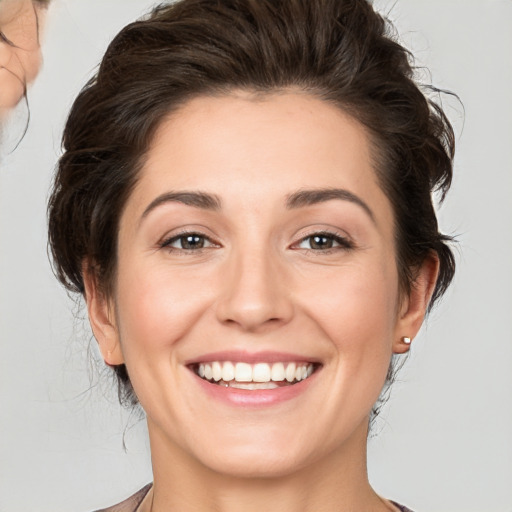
<point x="345" y="242"/>
<point x="166" y="240"/>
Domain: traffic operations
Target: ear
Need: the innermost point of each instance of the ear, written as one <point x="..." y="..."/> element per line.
<point x="101" y="318"/>
<point x="414" y="306"/>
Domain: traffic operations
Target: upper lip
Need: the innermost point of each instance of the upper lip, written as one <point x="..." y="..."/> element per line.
<point x="240" y="356"/>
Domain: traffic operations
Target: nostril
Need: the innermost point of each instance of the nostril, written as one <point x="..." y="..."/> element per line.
<point x="253" y="294"/>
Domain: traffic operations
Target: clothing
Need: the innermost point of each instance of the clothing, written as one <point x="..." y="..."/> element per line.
<point x="401" y="507"/>
<point x="133" y="502"/>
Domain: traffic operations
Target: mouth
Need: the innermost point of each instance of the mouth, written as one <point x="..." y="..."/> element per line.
<point x="254" y="376"/>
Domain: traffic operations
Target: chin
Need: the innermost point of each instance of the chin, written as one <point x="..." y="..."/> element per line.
<point x="262" y="454"/>
<point x="256" y="463"/>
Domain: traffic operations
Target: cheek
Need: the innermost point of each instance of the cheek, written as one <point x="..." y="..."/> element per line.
<point x="356" y="299"/>
<point x="356" y="308"/>
<point x="156" y="308"/>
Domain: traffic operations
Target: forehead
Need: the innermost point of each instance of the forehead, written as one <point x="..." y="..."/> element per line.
<point x="259" y="147"/>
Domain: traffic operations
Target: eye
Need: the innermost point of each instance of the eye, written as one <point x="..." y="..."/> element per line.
<point x="324" y="242"/>
<point x="187" y="242"/>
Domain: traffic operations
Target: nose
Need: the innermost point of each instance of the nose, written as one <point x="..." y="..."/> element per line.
<point x="255" y="296"/>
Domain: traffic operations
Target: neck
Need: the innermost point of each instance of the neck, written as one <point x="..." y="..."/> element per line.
<point x="337" y="482"/>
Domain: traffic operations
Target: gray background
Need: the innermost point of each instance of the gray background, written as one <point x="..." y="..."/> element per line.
<point x="444" y="442"/>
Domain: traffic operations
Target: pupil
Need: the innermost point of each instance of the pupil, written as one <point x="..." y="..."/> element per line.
<point x="192" y="242"/>
<point x="321" y="242"/>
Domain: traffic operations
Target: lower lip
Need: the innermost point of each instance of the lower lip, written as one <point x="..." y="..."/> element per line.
<point x="254" y="397"/>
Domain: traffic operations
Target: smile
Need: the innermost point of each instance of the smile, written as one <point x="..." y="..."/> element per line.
<point x="254" y="376"/>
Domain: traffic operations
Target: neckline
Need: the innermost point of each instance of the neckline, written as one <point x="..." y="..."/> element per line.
<point x="142" y="496"/>
<point x="143" y="493"/>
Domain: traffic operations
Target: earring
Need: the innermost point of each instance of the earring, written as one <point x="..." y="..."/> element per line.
<point x="406" y="340"/>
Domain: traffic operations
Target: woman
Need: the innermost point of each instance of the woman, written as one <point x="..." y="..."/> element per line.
<point x="245" y="203"/>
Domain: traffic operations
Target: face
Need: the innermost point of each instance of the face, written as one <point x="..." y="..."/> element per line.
<point x="256" y="304"/>
<point x="20" y="55"/>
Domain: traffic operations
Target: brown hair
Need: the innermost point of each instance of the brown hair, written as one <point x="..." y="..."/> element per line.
<point x="338" y="50"/>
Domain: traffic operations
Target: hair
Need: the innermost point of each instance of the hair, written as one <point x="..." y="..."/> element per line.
<point x="340" y="51"/>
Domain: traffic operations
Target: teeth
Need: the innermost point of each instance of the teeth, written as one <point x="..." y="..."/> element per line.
<point x="261" y="372"/>
<point x="290" y="372"/>
<point x="243" y="372"/>
<point x="228" y="371"/>
<point x="257" y="376"/>
<point x="253" y="385"/>
<point x="278" y="373"/>
<point x="216" y="371"/>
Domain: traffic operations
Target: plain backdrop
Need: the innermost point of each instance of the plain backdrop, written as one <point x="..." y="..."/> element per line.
<point x="444" y="441"/>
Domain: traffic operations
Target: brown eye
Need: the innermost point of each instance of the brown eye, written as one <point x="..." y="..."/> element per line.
<point x="187" y="242"/>
<point x="321" y="242"/>
<point x="324" y="242"/>
<point x="191" y="242"/>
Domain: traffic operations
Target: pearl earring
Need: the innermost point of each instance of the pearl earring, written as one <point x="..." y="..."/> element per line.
<point x="406" y="340"/>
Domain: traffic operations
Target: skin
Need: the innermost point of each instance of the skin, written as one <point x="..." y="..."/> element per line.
<point x="20" y="55"/>
<point x="258" y="285"/>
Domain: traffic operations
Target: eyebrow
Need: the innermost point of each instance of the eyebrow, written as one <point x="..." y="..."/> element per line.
<point x="298" y="199"/>
<point x="197" y="199"/>
<point x="311" y="197"/>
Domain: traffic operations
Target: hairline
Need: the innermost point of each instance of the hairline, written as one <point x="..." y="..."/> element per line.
<point x="377" y="153"/>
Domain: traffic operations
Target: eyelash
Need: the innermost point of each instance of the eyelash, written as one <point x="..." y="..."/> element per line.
<point x="343" y="243"/>
<point x="167" y="243"/>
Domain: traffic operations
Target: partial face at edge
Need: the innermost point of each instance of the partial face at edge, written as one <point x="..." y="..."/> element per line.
<point x="20" y="54"/>
<point x="257" y="233"/>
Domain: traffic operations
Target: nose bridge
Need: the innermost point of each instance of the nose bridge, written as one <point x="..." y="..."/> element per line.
<point x="254" y="293"/>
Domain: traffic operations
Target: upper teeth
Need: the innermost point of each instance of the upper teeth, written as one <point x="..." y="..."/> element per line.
<point x="259" y="372"/>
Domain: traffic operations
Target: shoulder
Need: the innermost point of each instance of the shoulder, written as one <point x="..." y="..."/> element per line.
<point x="131" y="504"/>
